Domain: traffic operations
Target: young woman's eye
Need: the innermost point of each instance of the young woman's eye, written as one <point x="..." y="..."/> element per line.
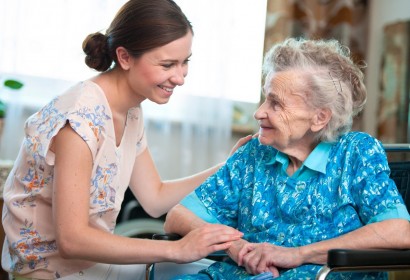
<point x="168" y="65"/>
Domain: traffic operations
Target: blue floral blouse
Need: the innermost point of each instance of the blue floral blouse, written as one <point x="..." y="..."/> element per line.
<point x="253" y="193"/>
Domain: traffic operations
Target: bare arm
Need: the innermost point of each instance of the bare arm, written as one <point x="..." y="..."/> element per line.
<point x="389" y="234"/>
<point x="77" y="239"/>
<point x="262" y="257"/>
<point x="157" y="196"/>
<point x="181" y="220"/>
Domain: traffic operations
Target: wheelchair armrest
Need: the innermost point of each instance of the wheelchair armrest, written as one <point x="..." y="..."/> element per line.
<point x="166" y="236"/>
<point x="364" y="260"/>
<point x="339" y="258"/>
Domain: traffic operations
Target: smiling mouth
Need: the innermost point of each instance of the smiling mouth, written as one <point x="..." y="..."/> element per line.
<point x="264" y="126"/>
<point x="167" y="89"/>
<point x="265" y="129"/>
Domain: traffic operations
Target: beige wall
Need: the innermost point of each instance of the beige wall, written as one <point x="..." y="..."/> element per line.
<point x="382" y="12"/>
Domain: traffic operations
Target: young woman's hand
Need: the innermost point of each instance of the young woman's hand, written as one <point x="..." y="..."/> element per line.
<point x="205" y="240"/>
<point x="242" y="141"/>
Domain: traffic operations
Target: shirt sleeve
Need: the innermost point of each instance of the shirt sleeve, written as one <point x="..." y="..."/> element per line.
<point x="42" y="127"/>
<point x="374" y="192"/>
<point x="221" y="194"/>
<point x="88" y="123"/>
<point x="195" y="205"/>
<point x="400" y="212"/>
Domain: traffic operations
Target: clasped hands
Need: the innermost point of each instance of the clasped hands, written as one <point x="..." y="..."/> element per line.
<point x="258" y="258"/>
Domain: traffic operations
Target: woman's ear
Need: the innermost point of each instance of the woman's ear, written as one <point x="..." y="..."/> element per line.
<point x="321" y="119"/>
<point x="124" y="58"/>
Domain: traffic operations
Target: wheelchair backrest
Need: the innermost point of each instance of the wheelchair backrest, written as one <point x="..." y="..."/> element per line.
<point x="400" y="171"/>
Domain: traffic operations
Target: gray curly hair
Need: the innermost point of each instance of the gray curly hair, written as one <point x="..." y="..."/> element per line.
<point x="331" y="79"/>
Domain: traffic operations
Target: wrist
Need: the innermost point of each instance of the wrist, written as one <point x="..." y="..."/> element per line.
<point x="301" y="253"/>
<point x="171" y="251"/>
<point x="314" y="253"/>
<point x="236" y="246"/>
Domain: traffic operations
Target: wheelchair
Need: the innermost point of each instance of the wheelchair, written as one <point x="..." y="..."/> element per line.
<point x="343" y="260"/>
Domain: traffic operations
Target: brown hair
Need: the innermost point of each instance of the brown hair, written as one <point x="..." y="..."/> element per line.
<point x="139" y="26"/>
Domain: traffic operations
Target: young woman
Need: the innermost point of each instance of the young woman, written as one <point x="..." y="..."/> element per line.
<point x="83" y="149"/>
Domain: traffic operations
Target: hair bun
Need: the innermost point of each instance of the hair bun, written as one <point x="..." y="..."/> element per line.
<point x="97" y="54"/>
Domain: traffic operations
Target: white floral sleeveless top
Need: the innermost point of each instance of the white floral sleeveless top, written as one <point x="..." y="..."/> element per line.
<point x="30" y="247"/>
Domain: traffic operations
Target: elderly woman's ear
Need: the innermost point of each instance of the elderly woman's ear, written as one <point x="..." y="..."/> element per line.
<point x="320" y="119"/>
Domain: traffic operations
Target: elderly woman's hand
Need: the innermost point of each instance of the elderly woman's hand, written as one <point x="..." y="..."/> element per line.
<point x="236" y="247"/>
<point x="264" y="257"/>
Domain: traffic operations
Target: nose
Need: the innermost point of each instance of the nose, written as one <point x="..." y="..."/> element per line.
<point x="179" y="75"/>
<point x="259" y="113"/>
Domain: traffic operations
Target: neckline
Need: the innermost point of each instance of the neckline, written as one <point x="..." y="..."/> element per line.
<point x="111" y="126"/>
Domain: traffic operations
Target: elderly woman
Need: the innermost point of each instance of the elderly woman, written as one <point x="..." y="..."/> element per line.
<point x="307" y="184"/>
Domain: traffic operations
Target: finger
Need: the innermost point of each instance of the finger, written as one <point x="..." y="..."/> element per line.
<point x="222" y="238"/>
<point x="240" y="143"/>
<point x="247" y="139"/>
<point x="222" y="228"/>
<point x="251" y="261"/>
<point x="219" y="247"/>
<point x="274" y="271"/>
<point x="261" y="267"/>
<point x="243" y="251"/>
<point x="219" y="231"/>
<point x="214" y="242"/>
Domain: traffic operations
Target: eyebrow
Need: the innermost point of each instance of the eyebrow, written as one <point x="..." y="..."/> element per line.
<point x="274" y="97"/>
<point x="270" y="95"/>
<point x="175" y="60"/>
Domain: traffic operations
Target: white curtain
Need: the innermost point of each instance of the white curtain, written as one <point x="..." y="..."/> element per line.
<point x="188" y="135"/>
<point x="40" y="41"/>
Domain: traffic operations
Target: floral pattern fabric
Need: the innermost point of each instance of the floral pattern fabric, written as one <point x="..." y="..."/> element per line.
<point x="251" y="194"/>
<point x="30" y="248"/>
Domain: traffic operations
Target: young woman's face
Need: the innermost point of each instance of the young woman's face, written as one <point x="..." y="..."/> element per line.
<point x="156" y="73"/>
<point x="284" y="118"/>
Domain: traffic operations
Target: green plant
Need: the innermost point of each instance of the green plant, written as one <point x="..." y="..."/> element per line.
<point x="2" y="109"/>
<point x="12" y="84"/>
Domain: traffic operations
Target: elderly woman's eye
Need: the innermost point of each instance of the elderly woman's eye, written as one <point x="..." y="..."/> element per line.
<point x="274" y="103"/>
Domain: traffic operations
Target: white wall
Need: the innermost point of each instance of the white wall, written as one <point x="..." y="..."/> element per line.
<point x="382" y="12"/>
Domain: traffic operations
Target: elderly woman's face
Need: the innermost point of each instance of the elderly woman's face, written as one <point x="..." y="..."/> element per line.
<point x="285" y="119"/>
